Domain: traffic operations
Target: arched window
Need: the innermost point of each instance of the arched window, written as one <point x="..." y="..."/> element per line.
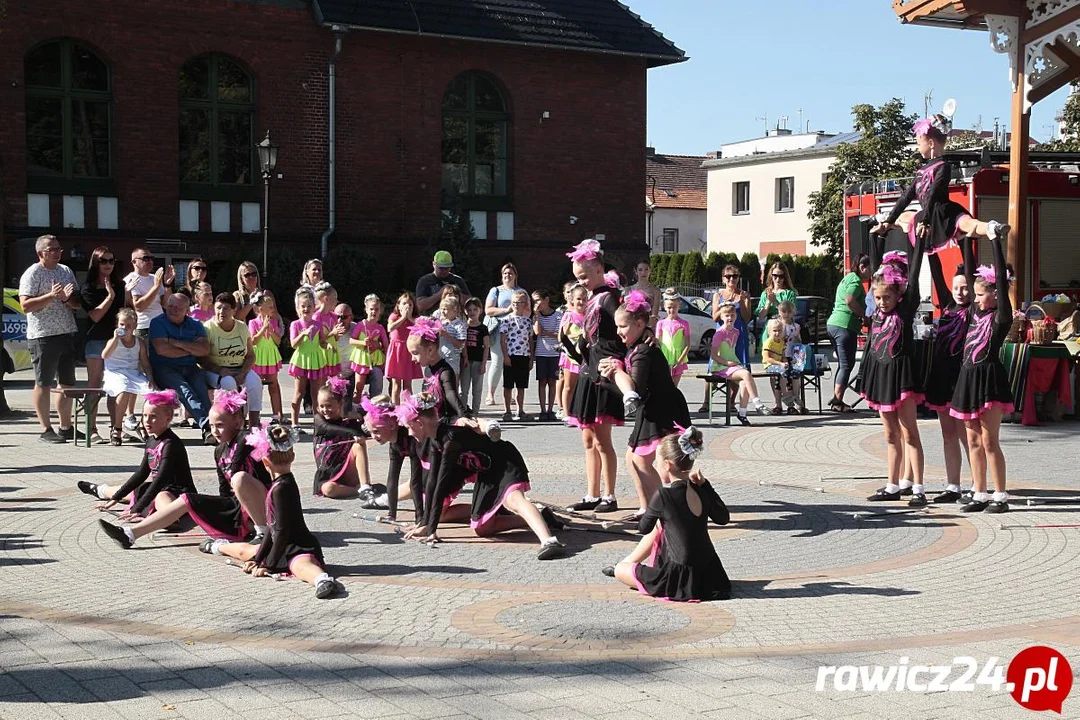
<point x="68" y="117"/>
<point x="217" y="106"/>
<point x="475" y="142"/>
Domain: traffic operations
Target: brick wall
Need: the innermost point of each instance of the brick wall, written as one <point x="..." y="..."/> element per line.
<point x="586" y="160"/>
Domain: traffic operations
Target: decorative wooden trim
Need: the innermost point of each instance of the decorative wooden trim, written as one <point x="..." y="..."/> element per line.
<point x="1067" y="55"/>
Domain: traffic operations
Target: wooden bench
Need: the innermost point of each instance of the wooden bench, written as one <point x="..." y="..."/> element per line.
<point x="724" y="387"/>
<point x="82" y="399"/>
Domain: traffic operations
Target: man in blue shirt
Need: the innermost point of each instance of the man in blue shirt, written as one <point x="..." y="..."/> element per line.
<point x="177" y="340"/>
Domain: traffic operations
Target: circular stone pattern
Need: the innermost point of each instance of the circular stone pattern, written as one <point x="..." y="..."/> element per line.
<point x="592" y="620"/>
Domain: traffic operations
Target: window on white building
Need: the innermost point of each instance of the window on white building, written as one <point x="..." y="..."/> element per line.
<point x="740" y="198"/>
<point x="785" y="194"/>
<point x="671" y="240"/>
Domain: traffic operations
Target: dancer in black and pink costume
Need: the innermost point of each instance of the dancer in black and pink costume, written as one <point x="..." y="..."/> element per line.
<point x="982" y="392"/>
<point x="339" y="445"/>
<point x="597" y="405"/>
<point x="239" y="507"/>
<point x="954" y="299"/>
<point x="442" y="382"/>
<point x="890" y="383"/>
<point x="941" y="221"/>
<point x="164" y="471"/>
<point x="460" y="455"/>
<point x="676" y="559"/>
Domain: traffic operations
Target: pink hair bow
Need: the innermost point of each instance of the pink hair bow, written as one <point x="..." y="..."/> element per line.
<point x="893" y="275"/>
<point x="380" y="414"/>
<point x="988" y="274"/>
<point x="611" y="279"/>
<point x="339" y="386"/>
<point x="259" y="441"/>
<point x="230" y="401"/>
<point x="426" y="328"/>
<point x="168" y="398"/>
<point x="636" y="301"/>
<point x="585" y="250"/>
<point x="895" y="257"/>
<point x="412" y="405"/>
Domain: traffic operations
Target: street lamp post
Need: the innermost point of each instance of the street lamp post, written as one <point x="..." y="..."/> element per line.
<point x="268" y="160"/>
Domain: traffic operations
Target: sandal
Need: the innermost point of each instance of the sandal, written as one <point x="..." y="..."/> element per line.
<point x="116" y="437"/>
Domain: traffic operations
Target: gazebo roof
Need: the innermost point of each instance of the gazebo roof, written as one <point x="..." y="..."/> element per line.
<point x="962" y="14"/>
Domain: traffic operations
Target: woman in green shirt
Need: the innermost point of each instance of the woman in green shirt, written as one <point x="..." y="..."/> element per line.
<point x="778" y="289"/>
<point x="844" y="325"/>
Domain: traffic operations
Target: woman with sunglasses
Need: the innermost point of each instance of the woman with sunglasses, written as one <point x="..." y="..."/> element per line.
<point x="778" y="289"/>
<point x="196" y="273"/>
<point x="247" y="279"/>
<point x="732" y="292"/>
<point x="102" y="298"/>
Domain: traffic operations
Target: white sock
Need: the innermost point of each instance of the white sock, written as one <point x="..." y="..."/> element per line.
<point x="892" y="488"/>
<point x="102" y="495"/>
<point x="952" y="487"/>
<point x="130" y="535"/>
<point x="742" y="412"/>
<point x="550" y="541"/>
<point x="917" y="489"/>
<point x="262" y="529"/>
<point x="1001" y="497"/>
<point x="590" y="498"/>
<point x="324" y="576"/>
<point x="607" y="498"/>
<point x="215" y="547"/>
<point x="981" y="497"/>
<point x="904" y="483"/>
<point x="756" y="402"/>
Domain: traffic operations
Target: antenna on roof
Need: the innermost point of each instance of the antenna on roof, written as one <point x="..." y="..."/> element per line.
<point x="782" y="123"/>
<point x="765" y="119"/>
<point x="800" y="119"/>
<point x="927" y="99"/>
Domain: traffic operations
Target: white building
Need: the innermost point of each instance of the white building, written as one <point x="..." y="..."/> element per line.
<point x="759" y="190"/>
<point x="675" y="202"/>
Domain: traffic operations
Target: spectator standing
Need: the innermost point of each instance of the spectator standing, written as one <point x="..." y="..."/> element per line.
<point x="477" y="354"/>
<point x="47" y="294"/>
<point x="147" y="292"/>
<point x="518" y="351"/>
<point x="429" y="287"/>
<point x="312" y="274"/>
<point x="231" y="358"/>
<point x="546" y="322"/>
<point x="177" y="341"/>
<point x="453" y="333"/>
<point x="496" y="308"/>
<point x="249" y="283"/>
<point x="844" y="325"/>
<point x="642" y="273"/>
<point x="731" y="292"/>
<point x="102" y="297"/>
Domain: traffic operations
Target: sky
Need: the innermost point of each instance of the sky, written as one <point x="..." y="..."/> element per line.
<point x="751" y="60"/>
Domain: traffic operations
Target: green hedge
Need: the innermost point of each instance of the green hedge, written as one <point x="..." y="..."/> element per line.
<point x="812" y="274"/>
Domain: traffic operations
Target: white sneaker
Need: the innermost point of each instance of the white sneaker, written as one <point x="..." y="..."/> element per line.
<point x="130" y="422"/>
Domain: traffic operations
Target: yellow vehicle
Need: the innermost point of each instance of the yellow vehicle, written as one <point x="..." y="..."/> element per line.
<point x="16" y="350"/>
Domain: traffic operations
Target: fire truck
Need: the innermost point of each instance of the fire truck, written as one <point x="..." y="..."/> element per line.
<point x="980" y="183"/>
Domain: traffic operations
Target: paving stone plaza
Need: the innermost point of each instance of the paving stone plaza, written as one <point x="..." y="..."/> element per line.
<point x="478" y="628"/>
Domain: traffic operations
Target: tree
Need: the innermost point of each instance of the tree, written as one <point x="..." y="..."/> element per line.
<point x="882" y="151"/>
<point x="456" y="236"/>
<point x="1070" y="119"/>
<point x="693" y="269"/>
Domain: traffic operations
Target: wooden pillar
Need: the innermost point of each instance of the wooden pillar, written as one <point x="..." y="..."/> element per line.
<point x="1016" y="253"/>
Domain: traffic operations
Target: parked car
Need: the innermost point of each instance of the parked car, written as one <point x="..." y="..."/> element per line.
<point x="811" y="312"/>
<point x="16" y="351"/>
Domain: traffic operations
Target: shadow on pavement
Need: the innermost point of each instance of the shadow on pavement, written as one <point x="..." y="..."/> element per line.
<point x="761" y="589"/>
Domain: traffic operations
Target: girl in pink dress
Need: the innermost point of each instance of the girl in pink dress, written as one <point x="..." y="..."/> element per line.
<point x="401" y="369"/>
<point x="725" y="363"/>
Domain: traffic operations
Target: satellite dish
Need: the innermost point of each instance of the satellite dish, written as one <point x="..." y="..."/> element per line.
<point x="949" y="108"/>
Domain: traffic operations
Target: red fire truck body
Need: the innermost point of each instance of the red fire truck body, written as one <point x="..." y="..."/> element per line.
<point x="1053" y="233"/>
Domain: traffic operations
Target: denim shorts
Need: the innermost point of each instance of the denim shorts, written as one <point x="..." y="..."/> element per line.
<point x="94" y="348"/>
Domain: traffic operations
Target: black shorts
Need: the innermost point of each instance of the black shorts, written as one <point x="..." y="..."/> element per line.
<point x="53" y="358"/>
<point x="516" y="374"/>
<point x="547" y="368"/>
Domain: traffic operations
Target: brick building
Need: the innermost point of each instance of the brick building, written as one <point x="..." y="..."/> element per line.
<point x="128" y="120"/>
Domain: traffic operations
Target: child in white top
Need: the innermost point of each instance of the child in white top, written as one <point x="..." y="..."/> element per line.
<point x="127" y="371"/>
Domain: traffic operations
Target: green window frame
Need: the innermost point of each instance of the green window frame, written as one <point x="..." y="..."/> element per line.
<point x="216" y="139"/>
<point x="475" y="144"/>
<point x="69" y="119"/>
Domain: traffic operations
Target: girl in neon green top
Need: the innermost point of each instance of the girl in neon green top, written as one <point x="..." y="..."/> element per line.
<point x="725" y="362"/>
<point x="673" y="333"/>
